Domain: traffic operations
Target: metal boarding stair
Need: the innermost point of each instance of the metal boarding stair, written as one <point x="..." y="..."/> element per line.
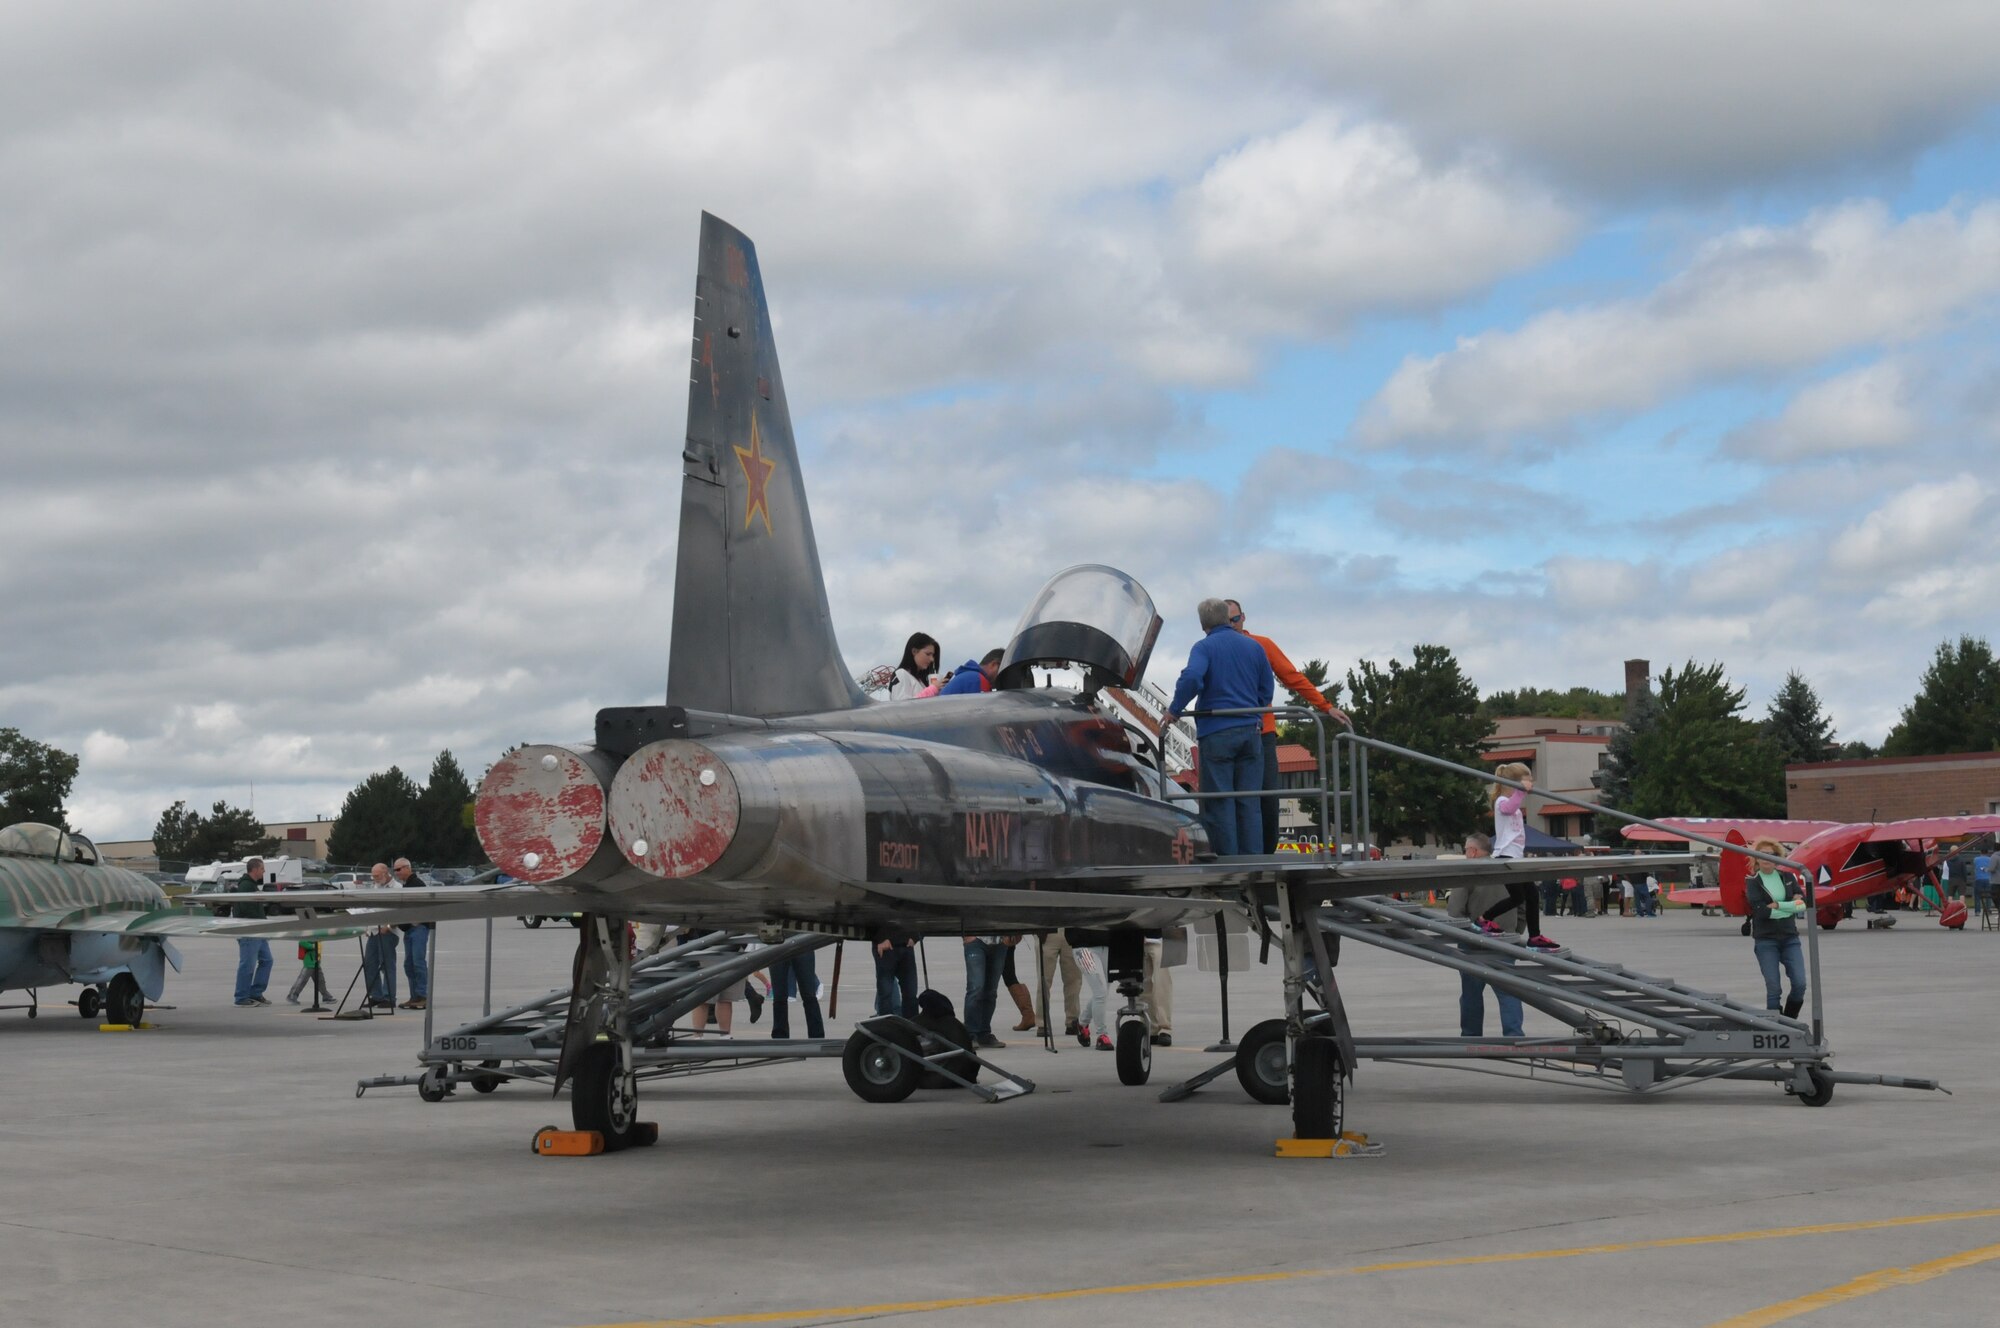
<point x="1628" y="1031"/>
<point x="1652" y="1033"/>
<point x="525" y="1042"/>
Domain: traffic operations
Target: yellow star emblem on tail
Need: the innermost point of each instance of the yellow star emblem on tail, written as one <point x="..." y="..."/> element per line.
<point x="757" y="472"/>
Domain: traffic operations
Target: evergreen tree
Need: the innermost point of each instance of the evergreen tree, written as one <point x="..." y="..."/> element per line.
<point x="35" y="780"/>
<point x="1576" y="703"/>
<point x="1796" y="726"/>
<point x="445" y="836"/>
<point x="225" y="834"/>
<point x="1957" y="705"/>
<point x="1856" y="750"/>
<point x="378" y="821"/>
<point x="1431" y="707"/>
<point x="174" y="834"/>
<point x="1700" y="757"/>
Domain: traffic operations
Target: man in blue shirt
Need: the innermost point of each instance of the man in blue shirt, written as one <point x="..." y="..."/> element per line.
<point x="970" y="679"/>
<point x="1227" y="670"/>
<point x="1982" y="880"/>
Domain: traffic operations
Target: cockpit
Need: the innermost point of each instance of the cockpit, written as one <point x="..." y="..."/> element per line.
<point x="1092" y="616"/>
<point x="32" y="839"/>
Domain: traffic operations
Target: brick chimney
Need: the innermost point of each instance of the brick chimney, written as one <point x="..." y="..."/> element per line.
<point x="1638" y="675"/>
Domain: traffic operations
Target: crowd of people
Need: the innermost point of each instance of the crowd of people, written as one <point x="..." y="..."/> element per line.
<point x="378" y="947"/>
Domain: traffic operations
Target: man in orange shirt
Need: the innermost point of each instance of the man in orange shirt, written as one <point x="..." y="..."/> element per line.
<point x="1290" y="678"/>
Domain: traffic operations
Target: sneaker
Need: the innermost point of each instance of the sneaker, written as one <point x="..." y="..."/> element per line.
<point x="1163" y="1039"/>
<point x="1069" y="1029"/>
<point x="1489" y="926"/>
<point x="1082" y="1034"/>
<point x="1104" y="1043"/>
<point x="261" y="1000"/>
<point x="1541" y="942"/>
<point x="247" y="1001"/>
<point x="988" y="1040"/>
<point x="291" y="999"/>
<point x="415" y="1003"/>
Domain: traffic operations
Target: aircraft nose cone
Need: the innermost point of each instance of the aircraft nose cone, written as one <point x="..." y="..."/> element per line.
<point x="674" y="808"/>
<point x="540" y="813"/>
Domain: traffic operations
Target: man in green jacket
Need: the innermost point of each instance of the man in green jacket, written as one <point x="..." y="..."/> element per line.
<point x="253" y="956"/>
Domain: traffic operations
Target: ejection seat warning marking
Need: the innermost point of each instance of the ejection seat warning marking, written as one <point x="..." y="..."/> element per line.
<point x="1402" y="1266"/>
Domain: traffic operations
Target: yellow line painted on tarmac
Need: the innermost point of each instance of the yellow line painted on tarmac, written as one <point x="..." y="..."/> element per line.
<point x="1300" y="1274"/>
<point x="1882" y="1279"/>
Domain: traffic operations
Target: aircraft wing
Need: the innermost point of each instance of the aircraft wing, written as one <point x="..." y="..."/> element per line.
<point x="1935" y="827"/>
<point x="1707" y="896"/>
<point x="166" y="922"/>
<point x="1375" y="876"/>
<point x="1718" y="827"/>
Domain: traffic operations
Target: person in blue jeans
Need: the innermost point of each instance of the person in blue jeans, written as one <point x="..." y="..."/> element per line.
<point x="416" y="943"/>
<point x="1469" y="902"/>
<point x="1982" y="881"/>
<point x="896" y="976"/>
<point x="1776" y="900"/>
<point x="801" y="974"/>
<point x="253" y="956"/>
<point x="1227" y="670"/>
<point x="984" y="958"/>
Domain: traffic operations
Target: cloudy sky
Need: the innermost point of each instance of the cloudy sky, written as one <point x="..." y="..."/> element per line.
<point x="341" y="346"/>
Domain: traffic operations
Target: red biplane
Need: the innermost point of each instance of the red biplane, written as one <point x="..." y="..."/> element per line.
<point x="1849" y="862"/>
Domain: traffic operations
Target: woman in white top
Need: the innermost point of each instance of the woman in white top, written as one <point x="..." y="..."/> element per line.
<point x="920" y="657"/>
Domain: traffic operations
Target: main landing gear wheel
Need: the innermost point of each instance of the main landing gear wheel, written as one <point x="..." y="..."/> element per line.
<point x="125" y="1003"/>
<point x="532" y="924"/>
<point x="1318" y="1105"/>
<point x="1135" y="1053"/>
<point x="605" y="1098"/>
<point x="1260" y="1063"/>
<point x="876" y="1073"/>
<point x="1822" y="1088"/>
<point x="89" y="1001"/>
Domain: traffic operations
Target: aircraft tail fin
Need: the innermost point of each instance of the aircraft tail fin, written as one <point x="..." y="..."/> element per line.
<point x="1734" y="878"/>
<point x="752" y="632"/>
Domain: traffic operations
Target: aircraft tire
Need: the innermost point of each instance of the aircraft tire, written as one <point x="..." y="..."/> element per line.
<point x="125" y="1003"/>
<point x="532" y="924"/>
<point x="603" y="1099"/>
<point x="1822" y="1088"/>
<point x="1260" y="1063"/>
<point x="89" y="1001"/>
<point x="1135" y="1053"/>
<point x="877" y="1074"/>
<point x="1317" y="1106"/>
<point x="946" y="1028"/>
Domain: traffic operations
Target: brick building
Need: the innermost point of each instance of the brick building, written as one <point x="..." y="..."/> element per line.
<point x="1894" y="788"/>
<point x="1565" y="754"/>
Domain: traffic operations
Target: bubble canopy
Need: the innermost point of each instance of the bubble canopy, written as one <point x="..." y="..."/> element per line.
<point x="1094" y="616"/>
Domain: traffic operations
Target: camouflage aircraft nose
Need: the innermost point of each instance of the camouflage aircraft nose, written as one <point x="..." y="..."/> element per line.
<point x="675" y="808"/>
<point x="540" y="813"/>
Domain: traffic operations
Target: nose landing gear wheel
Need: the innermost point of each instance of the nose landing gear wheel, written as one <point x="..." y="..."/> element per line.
<point x="1135" y="1052"/>
<point x="89" y="1001"/>
<point x="605" y="1098"/>
<point x="1260" y="1063"/>
<point x="875" y="1072"/>
<point x="125" y="1003"/>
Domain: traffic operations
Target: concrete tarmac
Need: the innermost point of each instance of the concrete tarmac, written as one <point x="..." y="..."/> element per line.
<point x="220" y="1170"/>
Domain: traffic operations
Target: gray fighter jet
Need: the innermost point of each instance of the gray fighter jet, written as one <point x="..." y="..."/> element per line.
<point x="769" y="792"/>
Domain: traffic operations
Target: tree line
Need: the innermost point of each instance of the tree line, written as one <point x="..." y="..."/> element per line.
<point x="1686" y="748"/>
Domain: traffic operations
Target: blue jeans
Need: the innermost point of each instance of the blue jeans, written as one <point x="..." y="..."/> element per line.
<point x="253" y="968"/>
<point x="1773" y="951"/>
<point x="417" y="960"/>
<point x="1643" y="904"/>
<point x="378" y="961"/>
<point x="796" y="972"/>
<point x="1472" y="1009"/>
<point x="896" y="969"/>
<point x="1232" y="760"/>
<point x="982" y="986"/>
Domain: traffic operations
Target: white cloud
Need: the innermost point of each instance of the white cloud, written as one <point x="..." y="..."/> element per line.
<point x="1913" y="528"/>
<point x="1866" y="410"/>
<point x="1631" y="100"/>
<point x="1757" y="300"/>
